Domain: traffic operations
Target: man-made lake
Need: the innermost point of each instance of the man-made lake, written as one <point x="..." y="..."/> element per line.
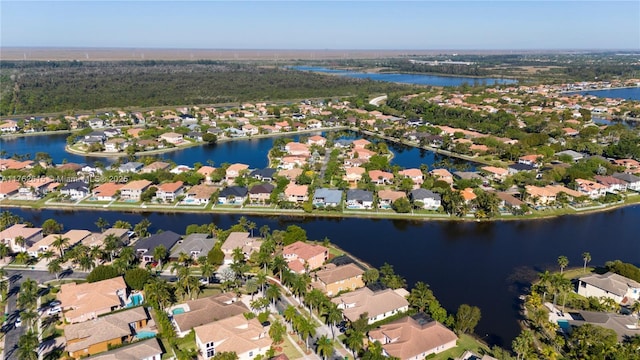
<point x="625" y="93"/>
<point x="417" y="79"/>
<point x="482" y="264"/>
<point x="251" y="152"/>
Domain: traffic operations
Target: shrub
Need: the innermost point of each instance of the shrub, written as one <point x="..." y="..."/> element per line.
<point x="102" y="272"/>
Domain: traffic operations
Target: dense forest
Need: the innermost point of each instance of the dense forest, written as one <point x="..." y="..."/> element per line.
<point x="44" y="87"/>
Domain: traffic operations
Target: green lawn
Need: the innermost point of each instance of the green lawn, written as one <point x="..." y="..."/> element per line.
<point x="466" y="342"/>
<point x="289" y="349"/>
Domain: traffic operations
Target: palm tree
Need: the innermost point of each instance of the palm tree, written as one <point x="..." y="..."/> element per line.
<point x="563" y="262"/>
<point x="277" y="331"/>
<point x="263" y="259"/>
<point x="290" y="314"/>
<point x="251" y="226"/>
<point x="264" y="230"/>
<point x="185" y="258"/>
<point x="273" y="293"/>
<point x="635" y="308"/>
<point x="306" y="329"/>
<point x="27" y="345"/>
<point x="111" y="244"/>
<point x="279" y="265"/>
<point x="586" y="256"/>
<point x="420" y="296"/>
<point x="4" y="250"/>
<point x="28" y="295"/>
<point x="325" y="347"/>
<point x="300" y="285"/>
<point x="102" y="224"/>
<point x="28" y="316"/>
<point x="207" y="270"/>
<point x="55" y="267"/>
<point x="545" y="279"/>
<point x="20" y="241"/>
<point x="251" y="286"/>
<point x="261" y="280"/>
<point x="313" y="299"/>
<point x="158" y="293"/>
<point x="237" y="255"/>
<point x="141" y="228"/>
<point x="332" y="315"/>
<point x="160" y="253"/>
<point x="522" y="344"/>
<point x="60" y="243"/>
<point x="354" y="341"/>
<point x="22" y="257"/>
<point x="47" y="255"/>
<point x="128" y="255"/>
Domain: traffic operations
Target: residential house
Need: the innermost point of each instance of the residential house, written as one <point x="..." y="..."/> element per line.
<point x="199" y="195"/>
<point x="625" y="326"/>
<point x="360" y="143"/>
<point x="132" y="166"/>
<point x="194" y="245"/>
<point x="317" y="140"/>
<point x="302" y="257"/>
<point x="172" y="138"/>
<point x="630" y="165"/>
<point x="546" y="195"/>
<point x="148" y="349"/>
<point x="155" y="166"/>
<point x="9" y="126"/>
<point x="609" y="285"/>
<point x="97" y="239"/>
<point x="26" y="237"/>
<point x="145" y="248"/>
<point x="250" y="129"/>
<point x="92" y="337"/>
<point x="260" y="193"/>
<point x="290" y="174"/>
<point x="508" y="200"/>
<point x="442" y="174"/>
<point x="613" y="184"/>
<point x="386" y="198"/>
<point x="333" y="280"/>
<point x="292" y="161"/>
<point x="133" y="189"/>
<point x="194" y="313"/>
<point x="46" y="244"/>
<point x="414" y="174"/>
<point x="266" y="174"/>
<point x="9" y="188"/>
<point x="380" y="177"/>
<point x="296" y="193"/>
<point x="429" y="199"/>
<point x="633" y="181"/>
<point x="234" y="171"/>
<point x="239" y="240"/>
<point x="169" y="192"/>
<point x="206" y="171"/>
<point x="359" y="199"/>
<point x="115" y="145"/>
<point x="233" y="195"/>
<point x="496" y="173"/>
<point x="468" y="195"/>
<point x="236" y="334"/>
<point x="363" y="154"/>
<point x="354" y="174"/>
<point x="518" y="167"/>
<point x="576" y="156"/>
<point x="35" y="188"/>
<point x="75" y="190"/>
<point x="180" y="169"/>
<point x="106" y="191"/>
<point x="378" y="305"/>
<point x="324" y="197"/>
<point x="590" y="188"/>
<point x="411" y="339"/>
<point x="86" y="301"/>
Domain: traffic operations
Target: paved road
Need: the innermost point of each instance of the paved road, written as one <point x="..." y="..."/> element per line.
<point x="16" y="278"/>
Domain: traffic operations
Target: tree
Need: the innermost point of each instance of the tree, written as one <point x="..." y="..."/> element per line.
<point x="332" y="316"/>
<point x="158" y="294"/>
<point x="306" y="329"/>
<point x="160" y="253"/>
<point x="141" y="228"/>
<point x="277" y="331"/>
<point x="370" y="276"/>
<point x="294" y="233"/>
<point x="27" y="346"/>
<point x="50" y="226"/>
<point x="225" y="355"/>
<point x="215" y="256"/>
<point x="324" y="347"/>
<point x="136" y="278"/>
<point x="28" y="295"/>
<point x="60" y="242"/>
<point x="209" y="138"/>
<point x="354" y="341"/>
<point x="55" y="267"/>
<point x="586" y="256"/>
<point x="273" y="293"/>
<point x="420" y="296"/>
<point x="102" y="224"/>
<point x="563" y="262"/>
<point x="401" y="205"/>
<point x="523" y="344"/>
<point x="206" y="269"/>
<point x="467" y="318"/>
<point x="102" y="272"/>
<point x="121" y="224"/>
<point x="279" y="265"/>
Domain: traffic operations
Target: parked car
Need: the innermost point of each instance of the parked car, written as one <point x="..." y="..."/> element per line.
<point x="204" y="281"/>
<point x="55" y="303"/>
<point x="18" y="322"/>
<point x="54" y="310"/>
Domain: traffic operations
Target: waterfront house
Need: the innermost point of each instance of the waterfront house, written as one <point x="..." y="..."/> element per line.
<point x="296" y="193"/>
<point x="133" y="189"/>
<point x="302" y="257"/>
<point x="206" y="171"/>
<point x="106" y="192"/>
<point x="386" y="198"/>
<point x="92" y="337"/>
<point x="75" y="189"/>
<point x="145" y="248"/>
<point x="239" y="240"/>
<point x="250" y="129"/>
<point x="360" y="143"/>
<point x="613" y="184"/>
<point x="324" y="197"/>
<point x="625" y="326"/>
<point x="378" y="305"/>
<point x="442" y="174"/>
<point x="27" y="236"/>
<point x="234" y="171"/>
<point x="317" y="140"/>
<point x="260" y="193"/>
<point x="362" y="154"/>
<point x="155" y="166"/>
<point x="546" y="195"/>
<point x="495" y="173"/>
<point x="233" y="195"/>
<point x="194" y="245"/>
<point x="518" y="167"/>
<point x="609" y="285"/>
<point x="199" y="195"/>
<point x="45" y="244"/>
<point x="115" y="145"/>
<point x="172" y="138"/>
<point x="9" y="188"/>
<point x="86" y="301"/>
<point x="532" y="159"/>
<point x="132" y="166"/>
<point x="632" y="181"/>
<point x="380" y="177"/>
<point x="122" y="236"/>
<point x="409" y="339"/>
<point x="429" y="199"/>
<point x="35" y="188"/>
<point x="359" y="199"/>
<point x="148" y="349"/>
<point x="332" y="279"/>
<point x="9" y="126"/>
<point x="266" y="174"/>
<point x="194" y="313"/>
<point x="246" y="338"/>
<point x="590" y="188"/>
<point x="169" y="192"/>
<point x="414" y="174"/>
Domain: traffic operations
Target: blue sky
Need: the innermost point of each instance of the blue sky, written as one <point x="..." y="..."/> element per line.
<point x="413" y="25"/>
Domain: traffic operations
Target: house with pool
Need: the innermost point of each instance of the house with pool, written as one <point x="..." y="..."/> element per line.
<point x="610" y="285"/>
<point x="86" y="301"/>
<point x="194" y="313"/>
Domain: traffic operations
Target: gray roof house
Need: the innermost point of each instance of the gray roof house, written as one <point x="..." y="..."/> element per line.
<point x="132" y="166"/>
<point x="574" y="154"/>
<point x="265" y="174"/>
<point x="359" y="199"/>
<point x="633" y="182"/>
<point x="429" y="199"/>
<point x="195" y="245"/>
<point x="145" y="247"/>
<point x="609" y="285"/>
<point x="327" y="197"/>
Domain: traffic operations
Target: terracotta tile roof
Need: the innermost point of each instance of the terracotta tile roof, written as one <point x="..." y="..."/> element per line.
<point x="296" y="190"/>
<point x="391" y="195"/>
<point x="495" y="170"/>
<point x="364" y="300"/>
<point x="235" y="334"/>
<point x="468" y="194"/>
<point x="304" y="250"/>
<point x="86" y="299"/>
<point x="412" y="173"/>
<point x="206" y="170"/>
<point x="331" y="273"/>
<point x="136" y="185"/>
<point x="237" y="167"/>
<point x="170" y="187"/>
<point x="206" y="310"/>
<point x="144" y="349"/>
<point x="377" y="174"/>
<point x="8" y="187"/>
<point x="106" y="189"/>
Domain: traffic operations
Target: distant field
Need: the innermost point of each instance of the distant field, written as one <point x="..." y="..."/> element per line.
<point x="106" y="54"/>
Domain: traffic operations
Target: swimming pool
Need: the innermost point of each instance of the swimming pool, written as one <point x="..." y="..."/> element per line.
<point x="145" y="334"/>
<point x="177" y="311"/>
<point x="564" y="325"/>
<point x="135" y="300"/>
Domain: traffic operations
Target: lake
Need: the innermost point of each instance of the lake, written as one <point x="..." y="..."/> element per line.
<point x="417" y="79"/>
<point x="624" y="93"/>
<point x="485" y="264"/>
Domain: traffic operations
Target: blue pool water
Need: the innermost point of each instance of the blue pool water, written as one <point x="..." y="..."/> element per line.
<point x="135" y="300"/>
<point x="177" y="311"/>
<point x="145" y="334"/>
<point x="564" y="325"/>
